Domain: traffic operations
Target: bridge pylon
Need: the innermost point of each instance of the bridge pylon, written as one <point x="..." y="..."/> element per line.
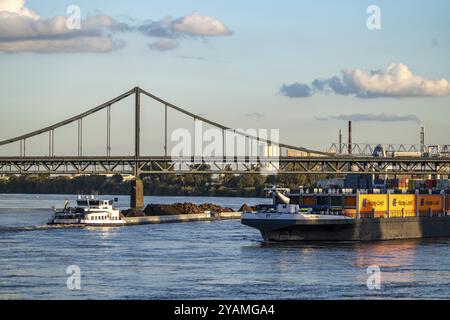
<point x="137" y="186"/>
<point x="137" y="193"/>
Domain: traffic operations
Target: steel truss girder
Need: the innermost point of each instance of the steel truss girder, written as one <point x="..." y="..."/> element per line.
<point x="243" y="165"/>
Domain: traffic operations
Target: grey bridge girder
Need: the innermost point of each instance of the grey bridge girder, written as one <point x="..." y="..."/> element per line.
<point x="244" y="165"/>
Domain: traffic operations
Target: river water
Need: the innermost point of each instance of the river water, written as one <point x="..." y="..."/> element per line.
<point x="202" y="260"/>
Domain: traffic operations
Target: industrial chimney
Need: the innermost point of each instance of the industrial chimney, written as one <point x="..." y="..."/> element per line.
<point x="340" y="141"/>
<point x="422" y="139"/>
<point x="349" y="137"/>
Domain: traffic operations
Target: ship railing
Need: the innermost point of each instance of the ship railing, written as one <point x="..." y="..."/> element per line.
<point x="430" y="213"/>
<point x="402" y="214"/>
<point x="328" y="213"/>
<point x="399" y="214"/>
<point x="372" y="215"/>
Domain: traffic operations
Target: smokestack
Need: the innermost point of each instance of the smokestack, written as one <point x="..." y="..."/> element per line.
<point x="349" y="137"/>
<point x="422" y="138"/>
<point x="340" y="141"/>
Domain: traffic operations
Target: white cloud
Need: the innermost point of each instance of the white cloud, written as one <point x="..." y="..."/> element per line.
<point x="17" y="7"/>
<point x="196" y="24"/>
<point x="382" y="117"/>
<point x="23" y="31"/>
<point x="81" y="44"/>
<point x="14" y="27"/>
<point x="397" y="81"/>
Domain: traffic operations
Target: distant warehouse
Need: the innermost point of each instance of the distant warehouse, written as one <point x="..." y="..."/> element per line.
<point x="297" y="153"/>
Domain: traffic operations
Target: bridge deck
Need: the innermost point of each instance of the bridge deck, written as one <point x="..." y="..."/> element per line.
<point x="208" y="165"/>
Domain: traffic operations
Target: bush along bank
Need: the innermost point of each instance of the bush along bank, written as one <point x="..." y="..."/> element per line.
<point x="228" y="185"/>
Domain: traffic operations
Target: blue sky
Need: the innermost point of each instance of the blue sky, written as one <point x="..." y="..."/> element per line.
<point x="236" y="79"/>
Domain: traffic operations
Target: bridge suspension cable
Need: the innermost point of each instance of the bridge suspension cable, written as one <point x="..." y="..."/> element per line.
<point x="108" y="130"/>
<point x="224" y="128"/>
<point x="137" y="91"/>
<point x="80" y="137"/>
<point x="67" y="121"/>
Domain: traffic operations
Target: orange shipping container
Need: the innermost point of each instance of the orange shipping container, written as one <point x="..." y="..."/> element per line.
<point x="309" y="200"/>
<point x="373" y="202"/>
<point x="350" y="201"/>
<point x="433" y="202"/>
<point x="447" y="203"/>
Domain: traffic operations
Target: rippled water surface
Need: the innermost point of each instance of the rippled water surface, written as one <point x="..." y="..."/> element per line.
<point x="201" y="260"/>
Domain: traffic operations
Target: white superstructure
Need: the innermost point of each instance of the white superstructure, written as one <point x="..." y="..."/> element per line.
<point x="282" y="209"/>
<point x="88" y="211"/>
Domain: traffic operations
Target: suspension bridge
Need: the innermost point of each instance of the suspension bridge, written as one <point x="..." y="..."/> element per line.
<point x="304" y="160"/>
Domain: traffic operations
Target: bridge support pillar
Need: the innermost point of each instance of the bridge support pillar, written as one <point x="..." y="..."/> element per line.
<point x="137" y="194"/>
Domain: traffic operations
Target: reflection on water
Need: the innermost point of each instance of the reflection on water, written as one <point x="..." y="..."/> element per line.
<point x="205" y="260"/>
<point x="393" y="257"/>
<point x="104" y="232"/>
<point x="406" y="265"/>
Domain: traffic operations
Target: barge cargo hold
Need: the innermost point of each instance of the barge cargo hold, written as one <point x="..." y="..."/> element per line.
<point x="356" y="217"/>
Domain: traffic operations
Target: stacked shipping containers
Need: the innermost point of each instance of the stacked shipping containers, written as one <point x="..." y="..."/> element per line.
<point x="431" y="184"/>
<point x="416" y="184"/>
<point x="358" y="181"/>
<point x="399" y="183"/>
<point x="375" y="205"/>
<point x="443" y="184"/>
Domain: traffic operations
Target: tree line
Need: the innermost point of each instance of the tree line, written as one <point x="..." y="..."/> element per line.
<point x="231" y="185"/>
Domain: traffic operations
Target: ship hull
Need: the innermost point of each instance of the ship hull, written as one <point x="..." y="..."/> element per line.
<point x="350" y="229"/>
<point x="87" y="223"/>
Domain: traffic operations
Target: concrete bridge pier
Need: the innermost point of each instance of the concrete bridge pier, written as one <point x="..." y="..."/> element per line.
<point x="137" y="194"/>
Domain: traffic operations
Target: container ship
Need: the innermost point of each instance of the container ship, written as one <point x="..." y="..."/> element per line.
<point x="342" y="215"/>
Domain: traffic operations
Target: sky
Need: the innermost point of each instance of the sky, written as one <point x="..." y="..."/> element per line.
<point x="303" y="67"/>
